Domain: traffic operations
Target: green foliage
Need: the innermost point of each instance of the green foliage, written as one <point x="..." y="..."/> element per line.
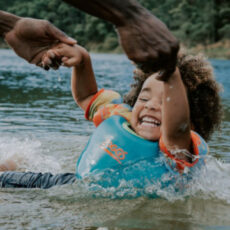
<point x="192" y="21"/>
<point x="225" y="31"/>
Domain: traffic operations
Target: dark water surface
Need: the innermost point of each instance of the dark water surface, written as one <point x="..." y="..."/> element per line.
<point x="44" y="130"/>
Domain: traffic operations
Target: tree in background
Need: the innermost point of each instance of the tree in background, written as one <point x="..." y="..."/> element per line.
<point x="192" y="21"/>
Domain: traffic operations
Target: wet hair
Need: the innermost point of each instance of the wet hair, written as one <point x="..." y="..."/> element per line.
<point x="202" y="91"/>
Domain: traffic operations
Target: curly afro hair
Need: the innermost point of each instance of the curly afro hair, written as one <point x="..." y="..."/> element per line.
<point x="202" y="91"/>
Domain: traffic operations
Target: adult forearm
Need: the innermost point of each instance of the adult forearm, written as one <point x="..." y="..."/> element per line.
<point x="145" y="39"/>
<point x="7" y="22"/>
<point x="119" y="12"/>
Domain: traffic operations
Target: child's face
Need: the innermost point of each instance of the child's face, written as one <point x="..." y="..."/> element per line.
<point x="146" y="113"/>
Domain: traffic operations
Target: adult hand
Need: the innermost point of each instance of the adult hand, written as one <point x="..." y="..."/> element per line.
<point x="149" y="43"/>
<point x="145" y="39"/>
<point x="165" y="75"/>
<point x="32" y="38"/>
<point x="68" y="56"/>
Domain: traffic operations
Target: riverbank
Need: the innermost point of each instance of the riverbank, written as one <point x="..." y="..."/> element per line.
<point x="218" y="50"/>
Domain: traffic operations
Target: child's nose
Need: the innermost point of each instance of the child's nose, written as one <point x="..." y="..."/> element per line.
<point x="152" y="104"/>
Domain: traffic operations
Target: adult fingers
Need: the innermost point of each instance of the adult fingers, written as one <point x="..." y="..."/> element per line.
<point x="51" y="60"/>
<point x="163" y="75"/>
<point x="162" y="62"/>
<point x="59" y="35"/>
<point x="46" y="61"/>
<point x="50" y="54"/>
<point x="56" y="63"/>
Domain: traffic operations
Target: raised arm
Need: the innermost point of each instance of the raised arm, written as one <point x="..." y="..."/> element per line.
<point x="145" y="39"/>
<point x="175" y="114"/>
<point x="7" y="22"/>
<point x="115" y="11"/>
<point x="83" y="83"/>
<point x="30" y="38"/>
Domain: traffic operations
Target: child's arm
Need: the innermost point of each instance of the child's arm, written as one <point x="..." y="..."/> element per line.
<point x="175" y="114"/>
<point x="83" y="84"/>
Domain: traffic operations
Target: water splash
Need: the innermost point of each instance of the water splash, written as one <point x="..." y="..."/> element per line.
<point x="28" y="153"/>
<point x="209" y="182"/>
<point x="213" y="181"/>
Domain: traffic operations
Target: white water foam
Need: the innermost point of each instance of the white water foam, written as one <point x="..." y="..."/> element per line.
<point x="212" y="181"/>
<point x="28" y="154"/>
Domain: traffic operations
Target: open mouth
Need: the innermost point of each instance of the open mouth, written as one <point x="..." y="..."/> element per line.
<point x="149" y="121"/>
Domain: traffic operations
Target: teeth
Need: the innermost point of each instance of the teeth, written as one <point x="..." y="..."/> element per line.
<point x="147" y="124"/>
<point x="150" y="120"/>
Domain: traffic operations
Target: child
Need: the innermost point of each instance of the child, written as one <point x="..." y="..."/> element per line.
<point x="164" y="111"/>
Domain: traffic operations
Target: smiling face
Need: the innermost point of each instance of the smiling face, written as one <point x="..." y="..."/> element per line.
<point x="146" y="114"/>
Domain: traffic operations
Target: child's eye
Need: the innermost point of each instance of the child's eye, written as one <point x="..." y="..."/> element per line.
<point x="143" y="99"/>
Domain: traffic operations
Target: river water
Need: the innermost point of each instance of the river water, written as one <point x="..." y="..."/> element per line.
<point x="44" y="131"/>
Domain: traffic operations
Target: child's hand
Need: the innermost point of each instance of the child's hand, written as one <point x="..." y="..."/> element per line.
<point x="66" y="55"/>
